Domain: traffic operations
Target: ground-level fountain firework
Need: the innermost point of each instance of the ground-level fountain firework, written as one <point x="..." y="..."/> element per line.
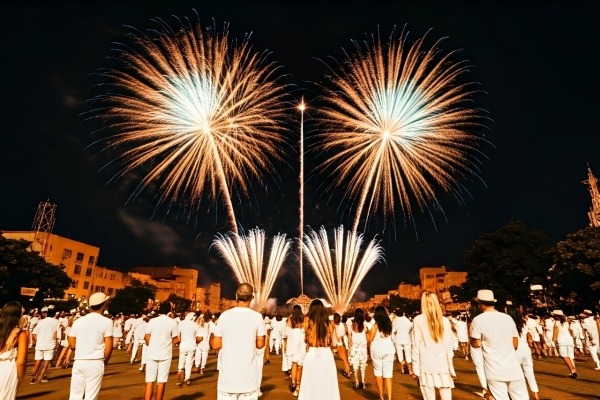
<point x="202" y="115"/>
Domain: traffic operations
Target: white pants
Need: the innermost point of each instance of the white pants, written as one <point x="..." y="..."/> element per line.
<point x="275" y="342"/>
<point x="86" y="378"/>
<point x="200" y="357"/>
<point x="237" y="396"/>
<point x="512" y="390"/>
<point x="404" y="352"/>
<point x="136" y="345"/>
<point x="186" y="360"/>
<point x="593" y="349"/>
<point x="429" y="393"/>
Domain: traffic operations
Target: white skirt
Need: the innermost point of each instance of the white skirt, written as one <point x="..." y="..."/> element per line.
<point x="319" y="376"/>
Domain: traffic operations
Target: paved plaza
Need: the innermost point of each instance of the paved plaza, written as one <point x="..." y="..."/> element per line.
<point x="123" y="381"/>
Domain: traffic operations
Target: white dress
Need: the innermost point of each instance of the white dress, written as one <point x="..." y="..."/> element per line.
<point x="358" y="350"/>
<point x="8" y="374"/>
<point x="432" y="362"/>
<point x="319" y="375"/>
<point x="296" y="348"/>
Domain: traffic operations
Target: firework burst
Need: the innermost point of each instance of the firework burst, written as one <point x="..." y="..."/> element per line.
<point x="397" y="125"/>
<point x="245" y="255"/>
<point x="198" y="113"/>
<point x="342" y="268"/>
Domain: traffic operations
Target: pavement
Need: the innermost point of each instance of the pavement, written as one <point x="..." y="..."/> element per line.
<point x="123" y="381"/>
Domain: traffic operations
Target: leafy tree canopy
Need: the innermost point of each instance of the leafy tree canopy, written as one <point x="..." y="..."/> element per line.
<point x="576" y="273"/>
<point x="132" y="299"/>
<point x="21" y="267"/>
<point x="506" y="261"/>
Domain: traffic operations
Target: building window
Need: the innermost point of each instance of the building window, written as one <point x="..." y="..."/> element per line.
<point x="79" y="257"/>
<point x="74" y="284"/>
<point x="86" y="285"/>
<point x="77" y="270"/>
<point x="88" y="272"/>
<point x="67" y="254"/>
<point x="110" y="291"/>
<point x="91" y="260"/>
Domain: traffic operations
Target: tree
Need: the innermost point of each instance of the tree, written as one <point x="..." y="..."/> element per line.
<point x="506" y="261"/>
<point x="576" y="271"/>
<point x="132" y="299"/>
<point x="403" y="304"/>
<point x="21" y="267"/>
<point x="178" y="304"/>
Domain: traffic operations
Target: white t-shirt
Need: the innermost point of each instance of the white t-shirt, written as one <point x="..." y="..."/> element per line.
<point x="496" y="331"/>
<point x="140" y="330"/>
<point x="89" y="332"/>
<point x="401" y="330"/>
<point x="162" y="330"/>
<point x="238" y="329"/>
<point x="188" y="331"/>
<point x="45" y="332"/>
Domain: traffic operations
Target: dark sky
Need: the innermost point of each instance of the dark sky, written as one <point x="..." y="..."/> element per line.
<point x="537" y="62"/>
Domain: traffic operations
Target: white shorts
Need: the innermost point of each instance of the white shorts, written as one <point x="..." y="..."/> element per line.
<point x="566" y="350"/>
<point x="237" y="396"/>
<point x="158" y="371"/>
<point x="46" y="355"/>
<point x="383" y="366"/>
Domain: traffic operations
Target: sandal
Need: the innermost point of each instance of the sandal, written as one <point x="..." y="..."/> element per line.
<point x="346" y="374"/>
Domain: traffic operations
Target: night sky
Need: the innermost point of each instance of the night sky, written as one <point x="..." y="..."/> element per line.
<point x="537" y="63"/>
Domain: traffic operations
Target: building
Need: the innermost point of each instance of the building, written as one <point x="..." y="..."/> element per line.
<point x="78" y="260"/>
<point x="208" y="298"/>
<point x="409" y="291"/>
<point x="169" y="280"/>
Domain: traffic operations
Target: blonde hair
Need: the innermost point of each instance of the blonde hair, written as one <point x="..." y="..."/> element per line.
<point x="430" y="307"/>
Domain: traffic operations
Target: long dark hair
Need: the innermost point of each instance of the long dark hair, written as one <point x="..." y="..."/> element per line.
<point x="10" y="315"/>
<point x="318" y="320"/>
<point x="384" y="324"/>
<point x="297" y="317"/>
<point x="359" y="319"/>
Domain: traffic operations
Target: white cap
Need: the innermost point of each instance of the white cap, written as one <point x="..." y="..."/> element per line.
<point x="44" y="309"/>
<point x="97" y="298"/>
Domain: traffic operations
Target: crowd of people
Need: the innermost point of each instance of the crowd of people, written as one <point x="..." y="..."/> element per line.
<point x="501" y="346"/>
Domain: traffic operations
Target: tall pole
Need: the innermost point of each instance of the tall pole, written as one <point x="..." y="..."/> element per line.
<point x="301" y="107"/>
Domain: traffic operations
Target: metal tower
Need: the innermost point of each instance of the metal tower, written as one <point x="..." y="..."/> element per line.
<point x="42" y="227"/>
<point x="594" y="213"/>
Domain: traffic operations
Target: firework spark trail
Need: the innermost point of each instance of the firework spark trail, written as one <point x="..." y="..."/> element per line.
<point x="245" y="254"/>
<point x="340" y="276"/>
<point x="198" y="113"/>
<point x="396" y="125"/>
<point x="301" y="107"/>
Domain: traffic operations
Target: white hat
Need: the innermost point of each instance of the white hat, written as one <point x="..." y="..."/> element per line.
<point x="97" y="298"/>
<point x="485" y="295"/>
<point x="44" y="309"/>
<point x="558" y="312"/>
<point x="588" y="312"/>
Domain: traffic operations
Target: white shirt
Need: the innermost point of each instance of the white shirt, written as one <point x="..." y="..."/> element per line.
<point x="162" y="330"/>
<point x="188" y="331"/>
<point x="45" y="334"/>
<point x="238" y="329"/>
<point x="89" y="332"/>
<point x="496" y="331"/>
<point x="401" y="330"/>
<point x="140" y="330"/>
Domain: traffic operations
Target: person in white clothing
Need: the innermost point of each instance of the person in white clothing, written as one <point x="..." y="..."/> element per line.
<point x="45" y="340"/>
<point x="139" y="342"/>
<point x="497" y="336"/>
<point x="432" y="350"/>
<point x="202" y="348"/>
<point x="564" y="341"/>
<point x="161" y="335"/>
<point x="591" y="329"/>
<point x="239" y="332"/>
<point x="128" y="333"/>
<point x="401" y="336"/>
<point x="277" y="328"/>
<point x="91" y="339"/>
<point x="189" y="337"/>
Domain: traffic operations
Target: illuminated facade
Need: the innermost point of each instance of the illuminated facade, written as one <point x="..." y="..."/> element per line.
<point x="169" y="280"/>
<point x="77" y="258"/>
<point x="208" y="298"/>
